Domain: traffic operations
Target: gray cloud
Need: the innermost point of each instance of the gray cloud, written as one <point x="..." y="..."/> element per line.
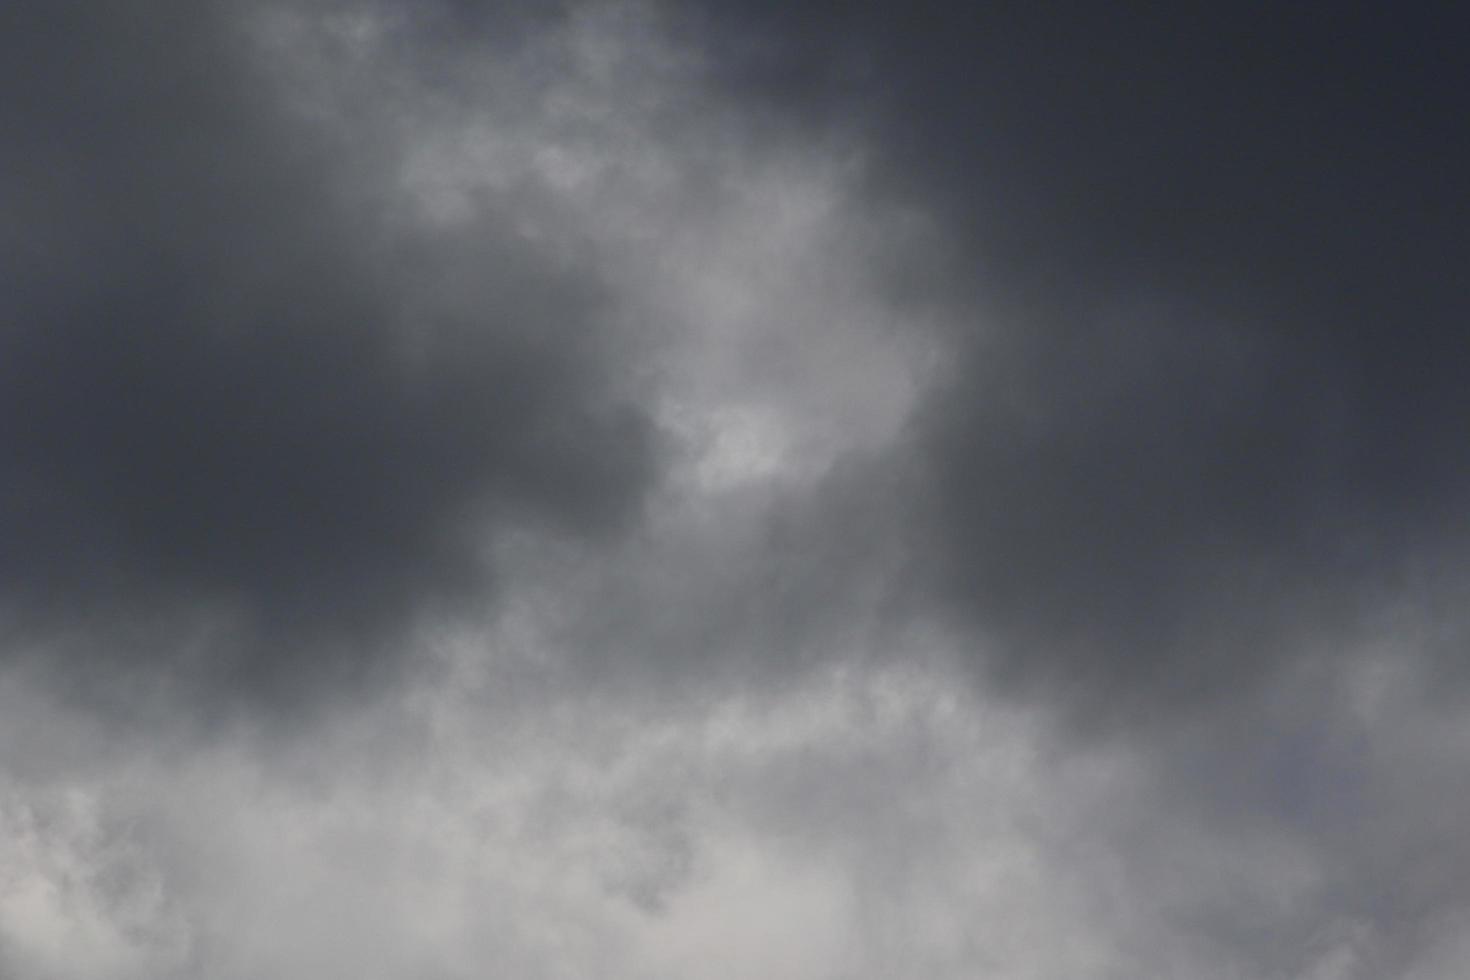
<point x="235" y="384"/>
<point x="744" y="449"/>
<point x="863" y="821"/>
<point x="1210" y="381"/>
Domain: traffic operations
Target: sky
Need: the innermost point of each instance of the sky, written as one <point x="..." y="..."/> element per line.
<point x="637" y="490"/>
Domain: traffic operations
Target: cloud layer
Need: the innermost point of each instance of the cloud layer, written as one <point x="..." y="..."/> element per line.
<point x="1208" y="384"/>
<point x="628" y="489"/>
<point x="238" y="386"/>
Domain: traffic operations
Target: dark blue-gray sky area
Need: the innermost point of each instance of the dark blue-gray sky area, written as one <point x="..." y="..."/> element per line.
<point x="1228" y="398"/>
<point x="611" y="476"/>
<point x="1217" y="396"/>
<point x="230" y="388"/>
<point x="1227" y="394"/>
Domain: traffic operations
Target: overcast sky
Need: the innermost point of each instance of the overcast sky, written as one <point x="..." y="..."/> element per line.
<point x="649" y="490"/>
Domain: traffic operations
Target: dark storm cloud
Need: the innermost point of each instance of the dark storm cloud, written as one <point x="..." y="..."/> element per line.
<point x="235" y="385"/>
<point x="1219" y="392"/>
<point x="1102" y="354"/>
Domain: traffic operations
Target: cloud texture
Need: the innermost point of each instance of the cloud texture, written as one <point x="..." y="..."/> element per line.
<point x="630" y="489"/>
<point x="239" y="386"/>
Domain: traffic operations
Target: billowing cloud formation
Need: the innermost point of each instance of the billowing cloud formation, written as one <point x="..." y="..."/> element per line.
<point x="703" y="467"/>
<point x="1212" y="390"/>
<point x="859" y="823"/>
<point x="236" y="383"/>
